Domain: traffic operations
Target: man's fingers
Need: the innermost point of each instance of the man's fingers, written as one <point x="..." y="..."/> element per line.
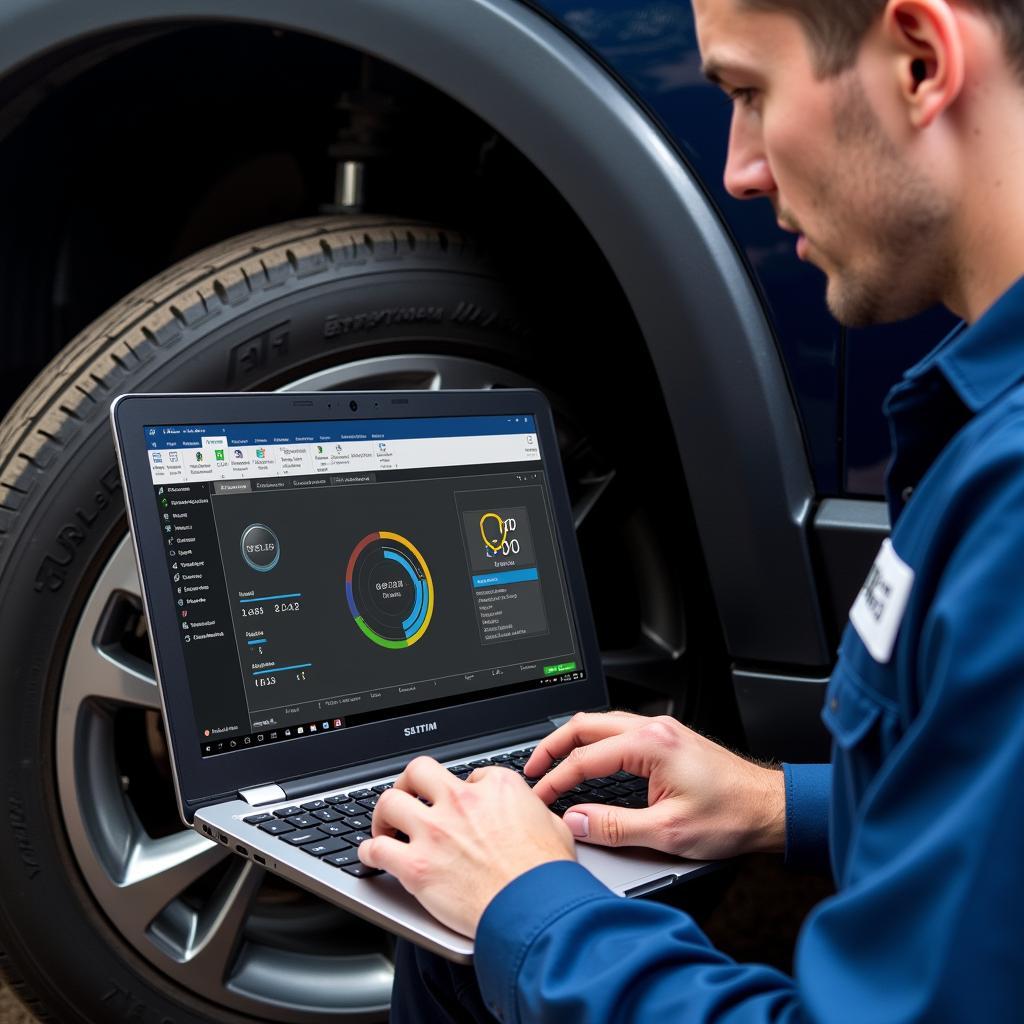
<point x="385" y="853"/>
<point x="423" y="776"/>
<point x="577" y="732"/>
<point x="605" y="757"/>
<point x="603" y="825"/>
<point x="397" y="811"/>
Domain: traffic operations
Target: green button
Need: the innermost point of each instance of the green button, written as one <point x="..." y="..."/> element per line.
<point x="555" y="670"/>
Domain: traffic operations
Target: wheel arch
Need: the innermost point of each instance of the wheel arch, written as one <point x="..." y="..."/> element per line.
<point x="723" y="382"/>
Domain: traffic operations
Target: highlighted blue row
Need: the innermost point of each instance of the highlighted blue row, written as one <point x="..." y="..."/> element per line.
<point x="512" y="576"/>
<point x="283" y="668"/>
<point x="273" y="597"/>
<point x="256" y="643"/>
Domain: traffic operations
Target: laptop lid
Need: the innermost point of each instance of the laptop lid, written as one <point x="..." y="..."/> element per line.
<point x="332" y="579"/>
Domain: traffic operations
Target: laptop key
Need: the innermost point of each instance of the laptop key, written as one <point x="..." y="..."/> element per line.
<point x="314" y="805"/>
<point x="299" y="838"/>
<point x="256" y="819"/>
<point x="357" y="837"/>
<point x="629" y="801"/>
<point x="303" y="821"/>
<point x="360" y="870"/>
<point x="335" y="828"/>
<point x="328" y="814"/>
<point x="361" y="794"/>
<point x="382" y="788"/>
<point x="341" y="858"/>
<point x="360" y="822"/>
<point x="349" y="808"/>
<point x="369" y="804"/>
<point x="276" y="827"/>
<point x="288" y="812"/>
<point x="338" y="798"/>
<point x="482" y="763"/>
<point x="332" y="845"/>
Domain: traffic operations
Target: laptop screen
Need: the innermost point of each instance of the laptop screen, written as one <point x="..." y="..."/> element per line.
<point x="330" y="574"/>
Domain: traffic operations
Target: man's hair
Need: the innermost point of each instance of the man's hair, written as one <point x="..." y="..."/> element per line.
<point x="836" y="28"/>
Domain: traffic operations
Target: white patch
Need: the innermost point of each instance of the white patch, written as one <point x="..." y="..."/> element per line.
<point x="878" y="610"/>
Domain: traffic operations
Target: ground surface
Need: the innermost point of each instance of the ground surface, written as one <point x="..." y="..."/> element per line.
<point x="757" y="920"/>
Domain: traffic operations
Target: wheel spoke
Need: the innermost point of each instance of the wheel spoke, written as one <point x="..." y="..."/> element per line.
<point x="219" y="925"/>
<point x="157" y="871"/>
<point x="593" y="488"/>
<point x="116" y="677"/>
<point x="108" y="672"/>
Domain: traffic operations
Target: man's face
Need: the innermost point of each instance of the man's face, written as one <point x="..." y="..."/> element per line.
<point x="818" y="150"/>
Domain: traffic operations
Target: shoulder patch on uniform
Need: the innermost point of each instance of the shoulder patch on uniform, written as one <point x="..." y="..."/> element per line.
<point x="878" y="610"/>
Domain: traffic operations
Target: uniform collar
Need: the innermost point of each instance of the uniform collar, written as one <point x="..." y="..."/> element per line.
<point x="983" y="361"/>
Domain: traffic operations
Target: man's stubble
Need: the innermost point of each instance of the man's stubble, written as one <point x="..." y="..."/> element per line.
<point x="885" y="250"/>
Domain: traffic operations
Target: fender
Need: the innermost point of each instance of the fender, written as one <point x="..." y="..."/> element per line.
<point x="724" y="385"/>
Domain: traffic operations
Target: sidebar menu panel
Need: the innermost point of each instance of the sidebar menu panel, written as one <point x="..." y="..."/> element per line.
<point x="203" y="613"/>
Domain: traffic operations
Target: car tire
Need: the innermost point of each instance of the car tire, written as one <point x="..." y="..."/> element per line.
<point x="260" y="311"/>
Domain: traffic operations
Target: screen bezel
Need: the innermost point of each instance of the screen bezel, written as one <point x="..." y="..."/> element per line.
<point x="202" y="780"/>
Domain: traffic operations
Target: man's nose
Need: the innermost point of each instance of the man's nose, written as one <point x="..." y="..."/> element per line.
<point x="747" y="173"/>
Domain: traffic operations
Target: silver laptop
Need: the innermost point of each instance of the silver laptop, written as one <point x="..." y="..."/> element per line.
<point x="338" y="582"/>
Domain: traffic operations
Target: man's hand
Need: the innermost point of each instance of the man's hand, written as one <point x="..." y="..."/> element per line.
<point x="468" y="844"/>
<point x="704" y="801"/>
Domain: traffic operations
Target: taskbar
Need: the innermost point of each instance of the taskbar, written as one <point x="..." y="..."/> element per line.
<point x="210" y="747"/>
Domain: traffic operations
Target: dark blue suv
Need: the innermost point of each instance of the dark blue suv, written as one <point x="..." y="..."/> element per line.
<point x="343" y="194"/>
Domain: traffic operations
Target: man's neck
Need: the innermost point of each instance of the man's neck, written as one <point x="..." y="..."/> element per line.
<point x="988" y="236"/>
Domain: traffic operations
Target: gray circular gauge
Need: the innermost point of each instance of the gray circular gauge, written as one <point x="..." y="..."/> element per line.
<point x="260" y="547"/>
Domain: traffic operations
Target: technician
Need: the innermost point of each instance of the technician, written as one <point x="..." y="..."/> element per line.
<point x="889" y="136"/>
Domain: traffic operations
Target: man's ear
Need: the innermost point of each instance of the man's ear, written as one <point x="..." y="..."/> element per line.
<point x="928" y="51"/>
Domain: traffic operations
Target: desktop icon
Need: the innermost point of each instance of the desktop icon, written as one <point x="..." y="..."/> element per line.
<point x="238" y="453"/>
<point x="337" y="723"/>
<point x="172" y="456"/>
<point x="261" y="453"/>
<point x="219" y="454"/>
<point x="199" y="456"/>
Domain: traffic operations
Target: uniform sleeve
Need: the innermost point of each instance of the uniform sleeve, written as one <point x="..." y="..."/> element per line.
<point x="807" y="795"/>
<point x="557" y="945"/>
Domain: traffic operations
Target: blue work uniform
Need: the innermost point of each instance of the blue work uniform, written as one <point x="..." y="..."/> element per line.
<point x="924" y="797"/>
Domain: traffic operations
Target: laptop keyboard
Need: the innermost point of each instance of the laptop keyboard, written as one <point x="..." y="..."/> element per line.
<point x="333" y="827"/>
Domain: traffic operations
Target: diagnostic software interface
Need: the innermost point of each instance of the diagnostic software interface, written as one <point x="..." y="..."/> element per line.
<point x="330" y="574"/>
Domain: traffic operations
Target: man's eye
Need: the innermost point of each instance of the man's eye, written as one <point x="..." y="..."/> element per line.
<point x="742" y="96"/>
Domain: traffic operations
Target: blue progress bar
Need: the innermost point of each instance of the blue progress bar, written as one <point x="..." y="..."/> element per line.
<point x="283" y="668"/>
<point x="514" y="576"/>
<point x="256" y="643"/>
<point x="273" y="597"/>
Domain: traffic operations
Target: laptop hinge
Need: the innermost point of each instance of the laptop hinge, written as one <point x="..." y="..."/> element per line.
<point x="269" y="794"/>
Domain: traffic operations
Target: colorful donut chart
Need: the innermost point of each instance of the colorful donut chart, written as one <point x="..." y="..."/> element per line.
<point x="395" y="611"/>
